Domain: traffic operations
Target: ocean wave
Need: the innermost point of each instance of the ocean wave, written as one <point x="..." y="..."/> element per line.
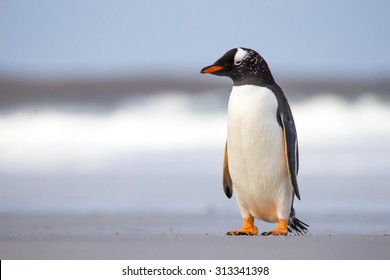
<point x="53" y="139"/>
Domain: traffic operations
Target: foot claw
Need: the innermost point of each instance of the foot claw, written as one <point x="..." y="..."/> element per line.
<point x="274" y="233"/>
<point x="241" y="233"/>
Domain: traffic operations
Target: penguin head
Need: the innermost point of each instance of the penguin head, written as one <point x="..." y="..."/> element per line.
<point x="242" y="65"/>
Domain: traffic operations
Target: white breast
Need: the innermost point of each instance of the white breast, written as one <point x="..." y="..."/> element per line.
<point x="256" y="155"/>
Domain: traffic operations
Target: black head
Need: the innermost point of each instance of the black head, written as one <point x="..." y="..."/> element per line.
<point x="243" y="66"/>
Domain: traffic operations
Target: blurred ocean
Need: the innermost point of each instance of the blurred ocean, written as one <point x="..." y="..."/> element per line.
<point x="162" y="152"/>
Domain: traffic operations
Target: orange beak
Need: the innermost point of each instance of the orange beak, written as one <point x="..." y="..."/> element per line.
<point x="211" y="69"/>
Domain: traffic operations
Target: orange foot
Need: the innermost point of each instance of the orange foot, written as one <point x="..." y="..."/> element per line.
<point x="281" y="229"/>
<point x="248" y="228"/>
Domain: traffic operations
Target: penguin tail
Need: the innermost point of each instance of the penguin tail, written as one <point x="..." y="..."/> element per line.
<point x="295" y="225"/>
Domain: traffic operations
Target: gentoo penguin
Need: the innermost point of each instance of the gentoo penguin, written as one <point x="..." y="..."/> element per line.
<point x="261" y="151"/>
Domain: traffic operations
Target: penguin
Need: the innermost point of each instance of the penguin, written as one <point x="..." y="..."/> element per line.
<point x="261" y="151"/>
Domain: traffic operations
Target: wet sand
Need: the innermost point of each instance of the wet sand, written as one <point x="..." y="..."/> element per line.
<point x="105" y="236"/>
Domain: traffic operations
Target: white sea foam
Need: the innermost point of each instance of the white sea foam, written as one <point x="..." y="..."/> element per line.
<point x="331" y="121"/>
<point x="49" y="139"/>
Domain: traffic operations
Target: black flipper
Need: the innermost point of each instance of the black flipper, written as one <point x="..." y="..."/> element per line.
<point x="226" y="179"/>
<point x="291" y="146"/>
<point x="286" y="121"/>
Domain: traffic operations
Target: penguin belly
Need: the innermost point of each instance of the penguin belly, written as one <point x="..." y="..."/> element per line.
<point x="256" y="154"/>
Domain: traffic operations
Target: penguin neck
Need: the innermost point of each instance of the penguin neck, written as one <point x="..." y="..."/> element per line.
<point x="260" y="77"/>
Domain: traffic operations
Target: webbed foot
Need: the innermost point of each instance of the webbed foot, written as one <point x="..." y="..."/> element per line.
<point x="281" y="229"/>
<point x="248" y="228"/>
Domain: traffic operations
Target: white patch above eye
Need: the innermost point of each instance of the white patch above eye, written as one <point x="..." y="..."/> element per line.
<point x="240" y="55"/>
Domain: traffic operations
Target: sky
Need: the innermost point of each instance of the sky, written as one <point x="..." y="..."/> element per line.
<point x="109" y="37"/>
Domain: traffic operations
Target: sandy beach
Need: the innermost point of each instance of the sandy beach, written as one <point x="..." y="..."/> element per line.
<point x="170" y="237"/>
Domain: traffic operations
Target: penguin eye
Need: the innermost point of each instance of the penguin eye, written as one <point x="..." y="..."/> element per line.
<point x="237" y="62"/>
